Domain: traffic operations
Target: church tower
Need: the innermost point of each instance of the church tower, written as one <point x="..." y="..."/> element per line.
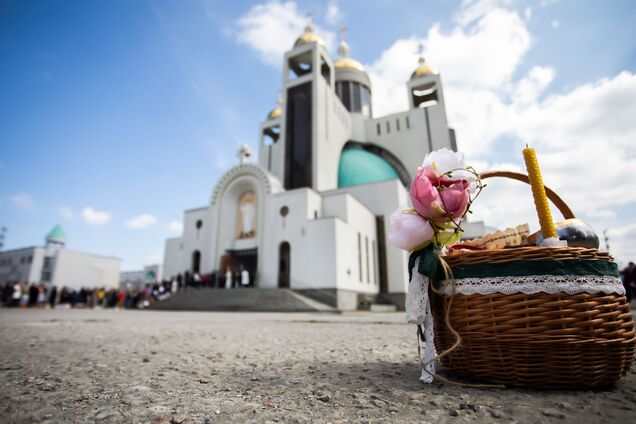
<point x="425" y="92"/>
<point x="308" y="128"/>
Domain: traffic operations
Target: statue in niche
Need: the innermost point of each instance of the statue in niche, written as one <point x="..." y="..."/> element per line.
<point x="247" y="216"/>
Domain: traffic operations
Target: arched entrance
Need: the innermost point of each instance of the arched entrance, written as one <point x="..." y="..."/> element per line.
<point x="283" y="265"/>
<point x="196" y="261"/>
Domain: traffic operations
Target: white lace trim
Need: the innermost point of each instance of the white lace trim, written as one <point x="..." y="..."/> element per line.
<point x="418" y="311"/>
<point x="551" y="284"/>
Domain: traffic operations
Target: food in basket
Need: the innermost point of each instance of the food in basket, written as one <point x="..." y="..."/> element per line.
<point x="510" y="237"/>
<point x="576" y="232"/>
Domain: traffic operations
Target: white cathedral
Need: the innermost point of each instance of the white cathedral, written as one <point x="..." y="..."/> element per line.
<point x="313" y="214"/>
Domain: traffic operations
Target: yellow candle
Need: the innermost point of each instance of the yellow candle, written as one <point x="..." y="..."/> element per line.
<point x="538" y="192"/>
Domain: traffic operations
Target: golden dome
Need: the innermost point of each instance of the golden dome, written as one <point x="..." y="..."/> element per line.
<point x="275" y="113"/>
<point x="424" y="70"/>
<point x="308" y="37"/>
<point x="347" y="62"/>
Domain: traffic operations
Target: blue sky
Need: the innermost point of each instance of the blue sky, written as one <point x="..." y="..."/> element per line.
<point x="116" y="116"/>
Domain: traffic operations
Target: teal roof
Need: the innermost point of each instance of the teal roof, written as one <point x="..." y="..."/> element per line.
<point x="359" y="166"/>
<point x="56" y="235"/>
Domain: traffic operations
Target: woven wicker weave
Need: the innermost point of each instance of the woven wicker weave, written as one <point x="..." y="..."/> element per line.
<point x="541" y="340"/>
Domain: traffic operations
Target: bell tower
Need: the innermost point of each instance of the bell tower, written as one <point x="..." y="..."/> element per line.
<point x="425" y="93"/>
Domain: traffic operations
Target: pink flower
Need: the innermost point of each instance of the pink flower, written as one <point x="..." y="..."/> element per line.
<point x="409" y="230"/>
<point x="437" y="197"/>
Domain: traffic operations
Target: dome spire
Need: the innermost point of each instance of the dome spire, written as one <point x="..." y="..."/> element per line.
<point x="278" y="109"/>
<point x="423" y="68"/>
<point x="343" y="47"/>
<point x="420" y="52"/>
<point x="310" y="23"/>
<point x="309" y="36"/>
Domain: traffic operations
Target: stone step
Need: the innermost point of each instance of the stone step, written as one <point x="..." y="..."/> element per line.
<point x="247" y="299"/>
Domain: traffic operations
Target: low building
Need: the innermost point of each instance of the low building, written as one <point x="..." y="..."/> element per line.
<point x="150" y="274"/>
<point x="55" y="265"/>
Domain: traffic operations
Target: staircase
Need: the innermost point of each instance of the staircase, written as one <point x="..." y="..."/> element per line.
<point x="250" y="300"/>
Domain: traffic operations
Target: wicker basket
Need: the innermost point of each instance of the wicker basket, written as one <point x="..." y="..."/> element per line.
<point x="541" y="340"/>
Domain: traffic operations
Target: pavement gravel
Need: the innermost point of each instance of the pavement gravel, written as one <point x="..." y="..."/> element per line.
<point x="111" y="366"/>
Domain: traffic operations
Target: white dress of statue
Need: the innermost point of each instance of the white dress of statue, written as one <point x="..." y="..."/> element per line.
<point x="245" y="277"/>
<point x="247" y="215"/>
<point x="228" y="279"/>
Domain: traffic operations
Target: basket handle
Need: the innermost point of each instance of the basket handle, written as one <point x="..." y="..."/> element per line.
<point x="556" y="200"/>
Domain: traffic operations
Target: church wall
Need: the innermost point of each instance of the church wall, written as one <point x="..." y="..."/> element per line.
<point x="355" y="257"/>
<point x="332" y="130"/>
<point x="409" y="144"/>
<point x="383" y="198"/>
<point x="301" y="205"/>
<point x="439" y="129"/>
<point x="194" y="238"/>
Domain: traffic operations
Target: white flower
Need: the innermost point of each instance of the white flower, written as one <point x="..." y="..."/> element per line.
<point x="445" y="160"/>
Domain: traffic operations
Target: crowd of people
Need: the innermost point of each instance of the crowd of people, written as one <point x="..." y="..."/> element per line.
<point x="42" y="296"/>
<point x="16" y="294"/>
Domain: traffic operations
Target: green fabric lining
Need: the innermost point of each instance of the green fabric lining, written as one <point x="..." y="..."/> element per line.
<point x="535" y="267"/>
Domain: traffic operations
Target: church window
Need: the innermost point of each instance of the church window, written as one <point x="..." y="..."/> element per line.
<point x="365" y="102"/>
<point x="378" y="128"/>
<point x="298" y="137"/>
<point x="360" y="257"/>
<point x="356" y="98"/>
<point x="300" y="65"/>
<point x="346" y="95"/>
<point x="408" y="123"/>
<point x="388" y="127"/>
<point x="271" y="135"/>
<point x="366" y="250"/>
<point x="397" y="124"/>
<point x="375" y="263"/>
<point x="199" y="224"/>
<point x="425" y="95"/>
<point x="246" y="220"/>
<point x="284" y="210"/>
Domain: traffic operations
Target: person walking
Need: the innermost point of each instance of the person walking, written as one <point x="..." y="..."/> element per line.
<point x="53" y="297"/>
<point x="17" y="295"/>
<point x="228" y="279"/>
<point x="628" y="275"/>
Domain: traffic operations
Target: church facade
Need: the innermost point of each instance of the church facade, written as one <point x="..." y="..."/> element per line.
<point x="313" y="213"/>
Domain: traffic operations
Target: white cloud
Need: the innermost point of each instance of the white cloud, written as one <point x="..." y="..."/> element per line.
<point x="175" y="227"/>
<point x="333" y="14"/>
<point x="479" y="56"/>
<point x="141" y="222"/>
<point x="555" y="23"/>
<point x="66" y="212"/>
<point x="584" y="137"/>
<point x="271" y="28"/>
<point x="95" y="217"/>
<point x="23" y="201"/>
